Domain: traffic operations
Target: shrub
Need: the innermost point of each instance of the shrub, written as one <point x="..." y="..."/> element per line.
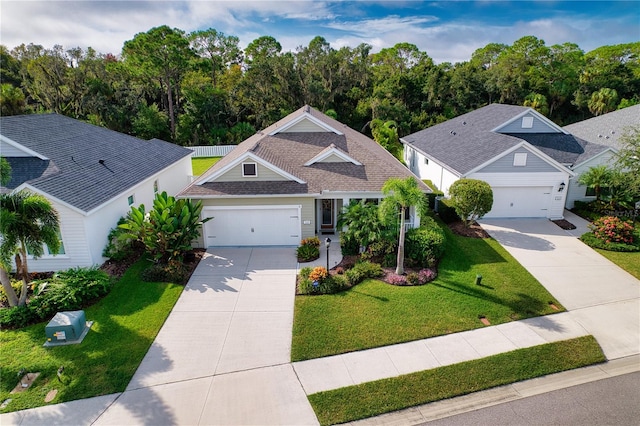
<point x="349" y="246"/>
<point x="413" y="278"/>
<point x="311" y="241"/>
<point x="446" y="211"/>
<point x="396" y="279"/>
<point x="427" y="275"/>
<point x="120" y="246"/>
<point x="382" y="249"/>
<point x="424" y="245"/>
<point x="307" y="253"/>
<point x="611" y="229"/>
<point x="595" y="242"/>
<point x="363" y="270"/>
<point x="318" y="273"/>
<point x="431" y="197"/>
<point x="329" y="285"/>
<point x="471" y="198"/>
<point x="16" y="317"/>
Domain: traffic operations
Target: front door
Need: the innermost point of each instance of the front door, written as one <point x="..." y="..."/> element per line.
<point x="327" y="215"/>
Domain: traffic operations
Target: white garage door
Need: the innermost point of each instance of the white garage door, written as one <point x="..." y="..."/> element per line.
<point x="521" y="202"/>
<point x="252" y="226"/>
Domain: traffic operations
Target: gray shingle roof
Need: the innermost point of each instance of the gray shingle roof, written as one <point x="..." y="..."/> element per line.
<point x="606" y="129"/>
<point x="73" y="172"/>
<point x="466" y="142"/>
<point x="290" y="151"/>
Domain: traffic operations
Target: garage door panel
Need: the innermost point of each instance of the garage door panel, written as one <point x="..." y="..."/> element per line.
<point x="255" y="226"/>
<point x="520" y="202"/>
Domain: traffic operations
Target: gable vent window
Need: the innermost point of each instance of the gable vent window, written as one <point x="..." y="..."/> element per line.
<point x="520" y="159"/>
<point x="249" y="170"/>
<point x="130" y="200"/>
<point x="527" y="122"/>
<point x="426" y="161"/>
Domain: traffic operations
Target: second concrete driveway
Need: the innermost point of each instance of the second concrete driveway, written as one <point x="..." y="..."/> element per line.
<point x="222" y="357"/>
<point x="602" y="297"/>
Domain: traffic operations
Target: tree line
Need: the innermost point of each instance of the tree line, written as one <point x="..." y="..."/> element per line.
<point x="201" y="88"/>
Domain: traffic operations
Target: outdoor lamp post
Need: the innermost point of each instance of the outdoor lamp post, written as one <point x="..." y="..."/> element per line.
<point x="327" y="244"/>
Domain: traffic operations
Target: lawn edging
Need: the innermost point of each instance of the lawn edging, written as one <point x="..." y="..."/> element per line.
<point x="387" y="395"/>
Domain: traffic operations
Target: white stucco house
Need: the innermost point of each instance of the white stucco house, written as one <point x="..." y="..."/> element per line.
<point x="90" y="174"/>
<point x="527" y="159"/>
<point x="605" y="130"/>
<point x="290" y="181"/>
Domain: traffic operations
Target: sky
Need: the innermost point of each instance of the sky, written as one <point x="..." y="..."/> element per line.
<point x="448" y="31"/>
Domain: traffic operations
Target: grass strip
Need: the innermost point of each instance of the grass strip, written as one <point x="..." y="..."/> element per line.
<point x="202" y="164"/>
<point x="383" y="396"/>
<point x="126" y="322"/>
<point x="630" y="262"/>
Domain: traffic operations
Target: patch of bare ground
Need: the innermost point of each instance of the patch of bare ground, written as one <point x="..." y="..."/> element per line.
<point x="474" y="230"/>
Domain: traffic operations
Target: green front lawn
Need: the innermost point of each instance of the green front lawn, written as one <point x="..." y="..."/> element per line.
<point x="373" y="313"/>
<point x="125" y="323"/>
<point x="630" y="262"/>
<point x="201" y="164"/>
<point x="383" y="396"/>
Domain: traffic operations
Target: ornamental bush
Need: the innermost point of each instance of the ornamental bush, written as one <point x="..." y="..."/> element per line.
<point x="363" y="270"/>
<point x="424" y="246"/>
<point x="611" y="229"/>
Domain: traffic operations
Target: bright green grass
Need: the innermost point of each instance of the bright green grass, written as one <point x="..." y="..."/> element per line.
<point x="373" y="313"/>
<point x="201" y="164"/>
<point x="630" y="262"/>
<point x="125" y="323"/>
<point x="383" y="396"/>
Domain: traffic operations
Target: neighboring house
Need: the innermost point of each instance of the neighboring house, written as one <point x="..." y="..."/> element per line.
<point x="290" y="181"/>
<point x="606" y="130"/>
<point x="525" y="157"/>
<point x="90" y="174"/>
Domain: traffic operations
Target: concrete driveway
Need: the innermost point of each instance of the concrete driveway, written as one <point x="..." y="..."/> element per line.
<point x="221" y="358"/>
<point x="600" y="296"/>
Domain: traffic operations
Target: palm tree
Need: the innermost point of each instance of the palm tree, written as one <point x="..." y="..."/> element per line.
<point x="27" y="222"/>
<point x="596" y="177"/>
<point x="401" y="194"/>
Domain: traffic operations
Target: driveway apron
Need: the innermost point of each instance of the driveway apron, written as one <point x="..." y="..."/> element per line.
<point x="222" y="356"/>
<point x="600" y="296"/>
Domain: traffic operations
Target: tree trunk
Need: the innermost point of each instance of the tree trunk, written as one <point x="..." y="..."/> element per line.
<point x="400" y="259"/>
<point x="172" y="118"/>
<point x="12" y="297"/>
<point x="24" y="271"/>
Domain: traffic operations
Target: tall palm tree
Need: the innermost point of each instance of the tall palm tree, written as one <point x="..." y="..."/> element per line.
<point x="401" y="194"/>
<point x="27" y="222"/>
<point x="596" y="177"/>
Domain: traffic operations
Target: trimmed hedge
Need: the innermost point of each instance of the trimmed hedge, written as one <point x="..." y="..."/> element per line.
<point x="592" y="241"/>
<point x="446" y="211"/>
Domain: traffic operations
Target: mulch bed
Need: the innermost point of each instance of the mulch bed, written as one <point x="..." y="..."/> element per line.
<point x="564" y="224"/>
<point x="117" y="268"/>
<point x="474" y="230"/>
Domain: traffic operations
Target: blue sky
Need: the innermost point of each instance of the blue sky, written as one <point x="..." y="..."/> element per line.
<point x="447" y="30"/>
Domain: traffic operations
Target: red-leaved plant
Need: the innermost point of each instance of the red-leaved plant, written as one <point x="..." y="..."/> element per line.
<point x="612" y="229"/>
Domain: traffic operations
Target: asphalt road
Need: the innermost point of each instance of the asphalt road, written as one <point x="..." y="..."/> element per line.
<point x="613" y="401"/>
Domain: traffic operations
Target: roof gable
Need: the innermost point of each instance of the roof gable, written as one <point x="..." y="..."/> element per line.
<point x="247" y="157"/>
<point x="305" y="123"/>
<point x="332" y="155"/>
<point x="529" y="121"/>
<point x="544" y="162"/>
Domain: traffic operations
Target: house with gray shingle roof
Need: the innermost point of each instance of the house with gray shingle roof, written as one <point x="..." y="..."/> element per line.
<point x="605" y="130"/>
<point x="290" y="181"/>
<point x="90" y="174"/>
<point x="526" y="158"/>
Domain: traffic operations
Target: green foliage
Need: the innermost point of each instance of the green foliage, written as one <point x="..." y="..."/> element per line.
<point x="425" y="245"/>
<point x="120" y="245"/>
<point x="67" y="290"/>
<point x="471" y="198"/>
<point x="597" y="177"/>
<point x="307" y="253"/>
<point x="5" y="171"/>
<point x="610" y="229"/>
<point x="363" y="225"/>
<point x="386" y="134"/>
<point x="363" y="270"/>
<point x="446" y="211"/>
<point x="171" y="226"/>
<point x="317" y="280"/>
<point x="592" y="241"/>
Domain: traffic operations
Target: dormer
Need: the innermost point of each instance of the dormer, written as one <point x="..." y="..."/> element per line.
<point x="332" y="154"/>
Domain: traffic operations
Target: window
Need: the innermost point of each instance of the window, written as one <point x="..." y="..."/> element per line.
<point x="590" y="192"/>
<point x="130" y="200"/>
<point x="520" y="159"/>
<point x="426" y="160"/>
<point x="527" y="122"/>
<point x="249" y="169"/>
<point x="155" y="187"/>
<point x="48" y="252"/>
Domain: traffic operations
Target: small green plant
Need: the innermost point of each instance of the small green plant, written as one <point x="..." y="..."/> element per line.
<point x="311" y="241"/>
<point x="307" y="253"/>
<point x="595" y="242"/>
<point x="611" y="229"/>
<point x="363" y="270"/>
<point x="318" y="281"/>
<point x="425" y="245"/>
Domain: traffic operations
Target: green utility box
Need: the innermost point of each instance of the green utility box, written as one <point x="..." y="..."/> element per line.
<point x="66" y="326"/>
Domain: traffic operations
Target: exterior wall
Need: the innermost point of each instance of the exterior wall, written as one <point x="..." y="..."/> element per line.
<point x="504" y="164"/>
<point x="538" y="126"/>
<point x="577" y="192"/>
<point x="264" y="174"/>
<point x="308" y="218"/>
<point x="332" y="159"/>
<point x="11" y="151"/>
<point x="557" y="202"/>
<point x="438" y="175"/>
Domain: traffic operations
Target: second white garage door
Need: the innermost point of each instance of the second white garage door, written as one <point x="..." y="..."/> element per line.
<point x="521" y="202"/>
<point x="252" y="226"/>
